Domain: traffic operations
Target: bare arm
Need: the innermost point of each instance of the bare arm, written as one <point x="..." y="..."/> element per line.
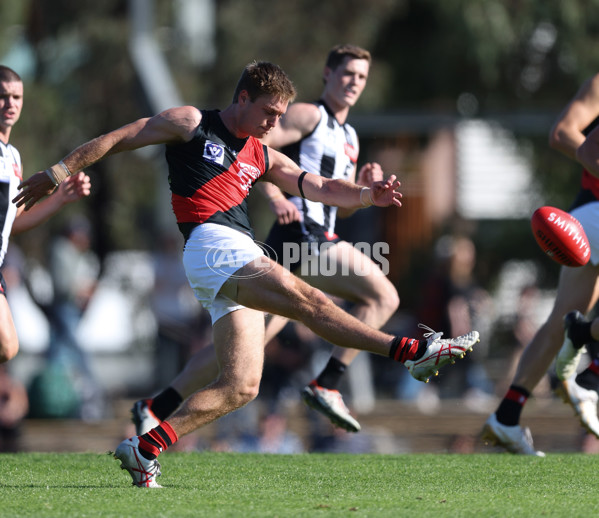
<point x="171" y="126"/>
<point x="566" y="134"/>
<point x="284" y="173"/>
<point x="72" y="189"/>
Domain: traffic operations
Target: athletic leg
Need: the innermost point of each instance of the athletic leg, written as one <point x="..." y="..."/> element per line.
<point x="239" y="348"/>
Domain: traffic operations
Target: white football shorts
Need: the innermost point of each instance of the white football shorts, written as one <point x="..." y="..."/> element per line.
<point x="212" y="254"/>
<point x="588" y="215"/>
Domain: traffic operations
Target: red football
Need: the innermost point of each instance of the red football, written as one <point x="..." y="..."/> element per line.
<point x="560" y="236"/>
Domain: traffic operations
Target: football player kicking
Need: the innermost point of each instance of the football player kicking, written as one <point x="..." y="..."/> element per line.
<point x="317" y="137"/>
<point x="214" y="158"/>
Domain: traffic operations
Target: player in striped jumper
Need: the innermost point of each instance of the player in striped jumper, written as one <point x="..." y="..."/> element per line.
<point x="15" y="220"/>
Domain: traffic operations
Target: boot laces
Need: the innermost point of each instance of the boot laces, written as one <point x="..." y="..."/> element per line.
<point x="430" y="332"/>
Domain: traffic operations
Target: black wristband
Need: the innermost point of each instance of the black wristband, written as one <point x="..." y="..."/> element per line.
<point x="300" y="180"/>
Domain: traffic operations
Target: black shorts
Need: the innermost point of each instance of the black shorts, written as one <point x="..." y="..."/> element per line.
<point x="310" y="233"/>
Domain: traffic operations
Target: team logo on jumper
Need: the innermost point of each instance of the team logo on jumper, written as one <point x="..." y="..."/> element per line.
<point x="214" y="152"/>
<point x="247" y="174"/>
<point x="351" y="152"/>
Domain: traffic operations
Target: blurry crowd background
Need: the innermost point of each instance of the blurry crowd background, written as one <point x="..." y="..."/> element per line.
<point x="459" y="105"/>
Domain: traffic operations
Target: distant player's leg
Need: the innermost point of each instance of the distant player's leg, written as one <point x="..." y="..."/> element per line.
<point x="578" y="288"/>
<point x="352" y="276"/>
<point x="579" y="390"/>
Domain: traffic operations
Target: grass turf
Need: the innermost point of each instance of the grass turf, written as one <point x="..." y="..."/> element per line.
<point x="312" y="485"/>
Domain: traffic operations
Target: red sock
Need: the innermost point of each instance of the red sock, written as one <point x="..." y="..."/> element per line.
<point x="403" y="349"/>
<point x="157" y="440"/>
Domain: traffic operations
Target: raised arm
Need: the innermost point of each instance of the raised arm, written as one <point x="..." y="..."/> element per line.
<point x="171" y="126"/>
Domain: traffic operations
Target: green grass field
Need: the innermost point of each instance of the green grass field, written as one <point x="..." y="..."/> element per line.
<point x="312" y="485"/>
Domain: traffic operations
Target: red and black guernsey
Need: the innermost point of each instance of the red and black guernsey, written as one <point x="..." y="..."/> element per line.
<point x="211" y="176"/>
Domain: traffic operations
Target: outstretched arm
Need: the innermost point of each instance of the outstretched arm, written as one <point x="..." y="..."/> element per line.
<point x="72" y="189"/>
<point x="170" y="126"/>
<point x="286" y="175"/>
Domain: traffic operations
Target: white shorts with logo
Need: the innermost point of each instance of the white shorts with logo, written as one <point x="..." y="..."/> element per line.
<point x="212" y="254"/>
<point x="588" y="215"/>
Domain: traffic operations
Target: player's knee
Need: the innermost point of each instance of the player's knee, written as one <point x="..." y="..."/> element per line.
<point x="241" y="391"/>
<point x="243" y="394"/>
<point x="391" y="299"/>
<point x="385" y="298"/>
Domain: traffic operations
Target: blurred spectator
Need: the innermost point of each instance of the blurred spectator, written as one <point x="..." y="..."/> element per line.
<point x="14" y="405"/>
<point x="273" y="436"/>
<point x="454" y="302"/>
<point x="75" y="270"/>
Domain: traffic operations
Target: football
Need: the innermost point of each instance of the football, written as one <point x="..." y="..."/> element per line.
<point x="560" y="236"/>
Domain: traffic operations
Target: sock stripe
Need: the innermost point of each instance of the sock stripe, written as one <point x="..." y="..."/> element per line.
<point x="400" y="353"/>
<point x="409" y="351"/>
<point x="149" y="450"/>
<point x="170" y="432"/>
<point x="158" y="439"/>
<point x="397" y="348"/>
<point x="403" y="348"/>
<point x="516" y="396"/>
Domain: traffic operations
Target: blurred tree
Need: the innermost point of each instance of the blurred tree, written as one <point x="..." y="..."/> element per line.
<point x="520" y="57"/>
